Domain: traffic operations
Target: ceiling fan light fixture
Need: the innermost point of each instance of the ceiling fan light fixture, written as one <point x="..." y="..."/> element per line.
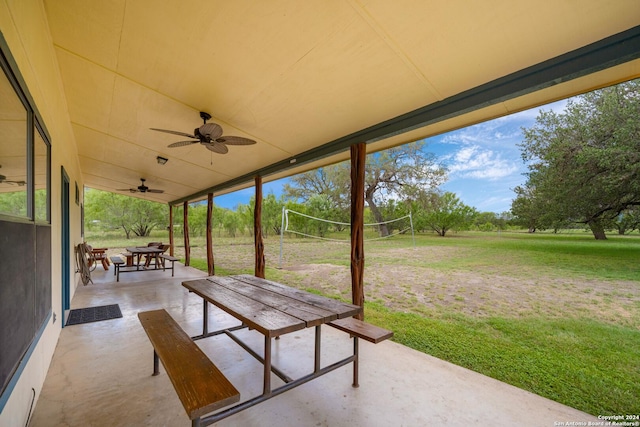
<point x="209" y="135"/>
<point x="162" y="160"/>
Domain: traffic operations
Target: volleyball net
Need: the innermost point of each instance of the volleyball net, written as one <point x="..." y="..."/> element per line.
<point x="312" y="227"/>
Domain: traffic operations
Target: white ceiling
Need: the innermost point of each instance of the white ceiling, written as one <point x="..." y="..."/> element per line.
<point x="295" y="75"/>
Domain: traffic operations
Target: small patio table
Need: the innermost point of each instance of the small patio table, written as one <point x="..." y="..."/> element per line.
<point x="272" y="309"/>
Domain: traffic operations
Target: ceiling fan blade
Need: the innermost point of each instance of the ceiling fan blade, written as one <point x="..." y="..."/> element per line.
<point x="235" y="140"/>
<point x="182" y="143"/>
<point x="210" y="130"/>
<point x="217" y="147"/>
<point x="155" y="191"/>
<point x="174" y="132"/>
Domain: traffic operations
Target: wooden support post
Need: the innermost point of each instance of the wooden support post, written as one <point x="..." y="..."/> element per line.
<point x="358" y="157"/>
<point x="187" y="247"/>
<point x="171" y="230"/>
<point x="257" y="230"/>
<point x="211" y="269"/>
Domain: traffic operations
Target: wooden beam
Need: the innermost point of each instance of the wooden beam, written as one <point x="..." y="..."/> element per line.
<point x="171" y="230"/>
<point x="187" y="247"/>
<point x="257" y="230"/>
<point x="358" y="156"/>
<point x="211" y="269"/>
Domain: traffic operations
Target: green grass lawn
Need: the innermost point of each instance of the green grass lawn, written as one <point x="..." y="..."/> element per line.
<point x="580" y="358"/>
<point x="581" y="363"/>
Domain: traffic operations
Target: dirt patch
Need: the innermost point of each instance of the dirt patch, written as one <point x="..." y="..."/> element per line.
<point x="429" y="291"/>
<point x="420" y="280"/>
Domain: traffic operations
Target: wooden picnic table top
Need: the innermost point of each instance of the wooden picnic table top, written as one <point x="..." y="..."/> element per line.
<point x="271" y="308"/>
<point x="145" y="250"/>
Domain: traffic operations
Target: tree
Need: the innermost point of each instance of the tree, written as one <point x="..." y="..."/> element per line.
<point x="131" y="214"/>
<point x="488" y="221"/>
<point x="333" y="181"/>
<point x="393" y="209"/>
<point x="396" y="173"/>
<point x="232" y="223"/>
<point x="445" y="212"/>
<point x="245" y="214"/>
<point x="628" y="221"/>
<point x="14" y="202"/>
<point x="271" y="213"/>
<point x="584" y="164"/>
<point x="197" y="219"/>
<point x="524" y="208"/>
<point x="317" y="205"/>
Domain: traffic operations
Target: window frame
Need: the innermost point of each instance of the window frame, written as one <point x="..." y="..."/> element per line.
<point x="34" y="124"/>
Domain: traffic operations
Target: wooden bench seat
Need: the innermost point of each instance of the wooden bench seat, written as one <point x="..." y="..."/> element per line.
<point x="200" y="385"/>
<point x="117" y="263"/>
<point x="361" y="329"/>
<point x="165" y="258"/>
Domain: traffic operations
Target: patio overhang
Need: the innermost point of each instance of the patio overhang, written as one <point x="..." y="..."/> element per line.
<point x="525" y="85"/>
<point x="307" y="80"/>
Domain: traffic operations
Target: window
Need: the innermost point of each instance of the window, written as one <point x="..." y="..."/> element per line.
<point x="13" y="151"/>
<point x="24" y="156"/>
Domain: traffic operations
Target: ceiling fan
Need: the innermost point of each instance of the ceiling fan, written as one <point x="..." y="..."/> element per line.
<point x="141" y="188"/>
<point x="209" y="135"/>
<point x="3" y="180"/>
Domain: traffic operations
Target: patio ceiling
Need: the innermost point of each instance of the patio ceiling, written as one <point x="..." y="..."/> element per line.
<point x="306" y="79"/>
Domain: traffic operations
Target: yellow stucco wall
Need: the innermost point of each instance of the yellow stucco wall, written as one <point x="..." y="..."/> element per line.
<point x="24" y="27"/>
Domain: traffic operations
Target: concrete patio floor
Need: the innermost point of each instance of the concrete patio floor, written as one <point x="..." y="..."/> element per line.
<point x="101" y="373"/>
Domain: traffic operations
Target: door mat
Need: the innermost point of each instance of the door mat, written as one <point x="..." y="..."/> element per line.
<point x="93" y="314"/>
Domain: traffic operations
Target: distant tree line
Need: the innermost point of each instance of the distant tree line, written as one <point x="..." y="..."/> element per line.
<point x="399" y="181"/>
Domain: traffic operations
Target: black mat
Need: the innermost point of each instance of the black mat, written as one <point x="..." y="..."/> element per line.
<point x="93" y="314"/>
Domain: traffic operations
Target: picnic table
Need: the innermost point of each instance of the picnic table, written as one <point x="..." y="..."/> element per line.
<point x="272" y="309"/>
<point x="138" y="252"/>
<point x="98" y="255"/>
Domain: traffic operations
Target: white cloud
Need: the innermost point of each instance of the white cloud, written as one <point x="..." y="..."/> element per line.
<point x="489" y="133"/>
<point x="477" y="163"/>
<point x="491" y="203"/>
<point x="503" y="131"/>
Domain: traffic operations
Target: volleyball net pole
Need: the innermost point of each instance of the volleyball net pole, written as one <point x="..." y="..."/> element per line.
<point x="282" y="235"/>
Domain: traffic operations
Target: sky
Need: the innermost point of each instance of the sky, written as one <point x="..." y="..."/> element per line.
<point x="484" y="162"/>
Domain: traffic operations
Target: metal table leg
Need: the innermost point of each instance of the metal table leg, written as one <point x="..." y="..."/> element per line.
<point x="267" y="366"/>
<point x="205" y="317"/>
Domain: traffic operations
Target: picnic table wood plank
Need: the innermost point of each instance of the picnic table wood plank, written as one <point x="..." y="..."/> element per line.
<point x="357" y="327"/>
<point x="341" y="309"/>
<point x="310" y="314"/>
<point x="200" y="385"/>
<point x="267" y="320"/>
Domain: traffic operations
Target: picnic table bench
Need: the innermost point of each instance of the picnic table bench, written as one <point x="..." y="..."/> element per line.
<point x="169" y="258"/>
<point x="200" y="385"/>
<point x="117" y="263"/>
